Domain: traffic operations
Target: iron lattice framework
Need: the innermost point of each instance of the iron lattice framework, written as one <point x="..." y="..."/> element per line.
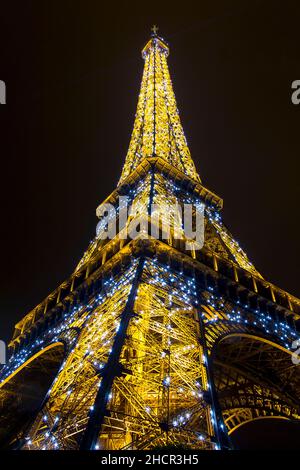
<point x="149" y="343"/>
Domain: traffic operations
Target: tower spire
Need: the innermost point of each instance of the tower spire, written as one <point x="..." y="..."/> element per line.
<point x="157" y="130"/>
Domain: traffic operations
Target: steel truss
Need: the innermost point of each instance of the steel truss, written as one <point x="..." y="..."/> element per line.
<point x="153" y="343"/>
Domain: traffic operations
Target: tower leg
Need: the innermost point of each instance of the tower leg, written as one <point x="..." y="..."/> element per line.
<point x="221" y="436"/>
<point x="111" y="369"/>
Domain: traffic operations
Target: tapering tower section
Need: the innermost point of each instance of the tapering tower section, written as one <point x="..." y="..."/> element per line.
<point x="157" y="128"/>
<point x="154" y="340"/>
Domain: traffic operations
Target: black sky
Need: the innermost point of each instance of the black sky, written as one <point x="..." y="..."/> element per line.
<point x="73" y="71"/>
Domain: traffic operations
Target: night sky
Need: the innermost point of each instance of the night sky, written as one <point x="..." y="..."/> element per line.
<point x="73" y="71"/>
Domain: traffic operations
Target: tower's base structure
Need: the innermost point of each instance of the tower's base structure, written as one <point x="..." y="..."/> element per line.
<point x="149" y="344"/>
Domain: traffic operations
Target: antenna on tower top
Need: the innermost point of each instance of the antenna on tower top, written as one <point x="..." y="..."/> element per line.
<point x="154" y="30"/>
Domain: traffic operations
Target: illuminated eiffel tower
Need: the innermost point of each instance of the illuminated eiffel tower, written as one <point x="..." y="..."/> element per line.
<point x="151" y="343"/>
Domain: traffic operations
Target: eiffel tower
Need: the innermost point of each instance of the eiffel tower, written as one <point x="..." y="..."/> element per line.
<point x="151" y="343"/>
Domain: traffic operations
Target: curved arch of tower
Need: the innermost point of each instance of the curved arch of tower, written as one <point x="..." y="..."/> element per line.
<point x="157" y="343"/>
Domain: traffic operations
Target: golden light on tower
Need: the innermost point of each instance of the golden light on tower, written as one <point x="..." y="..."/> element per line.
<point x="148" y="343"/>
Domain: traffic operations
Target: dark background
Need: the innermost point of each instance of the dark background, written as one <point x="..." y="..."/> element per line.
<point x="73" y="71"/>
